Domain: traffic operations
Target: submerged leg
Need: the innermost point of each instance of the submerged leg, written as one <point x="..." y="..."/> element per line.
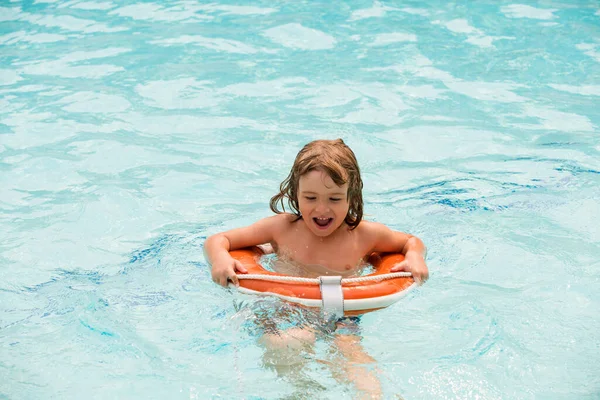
<point x="351" y="363"/>
<point x="288" y="347"/>
<point x="288" y="352"/>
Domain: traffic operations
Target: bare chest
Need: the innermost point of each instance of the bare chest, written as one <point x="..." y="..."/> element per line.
<point x="343" y="253"/>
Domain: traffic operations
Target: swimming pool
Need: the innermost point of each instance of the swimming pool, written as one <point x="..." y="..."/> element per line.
<point x="131" y="131"/>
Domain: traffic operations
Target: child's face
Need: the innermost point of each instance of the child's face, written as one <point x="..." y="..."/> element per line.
<point x="323" y="204"/>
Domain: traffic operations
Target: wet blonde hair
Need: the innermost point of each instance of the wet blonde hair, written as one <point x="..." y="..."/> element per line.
<point x="338" y="161"/>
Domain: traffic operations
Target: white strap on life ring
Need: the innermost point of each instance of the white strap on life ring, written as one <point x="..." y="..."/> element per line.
<point x="332" y="296"/>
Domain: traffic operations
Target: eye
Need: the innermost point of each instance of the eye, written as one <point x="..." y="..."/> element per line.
<point x="335" y="199"/>
<point x="310" y="198"/>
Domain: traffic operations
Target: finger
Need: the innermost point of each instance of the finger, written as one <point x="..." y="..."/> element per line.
<point x="399" y="267"/>
<point x="240" y="267"/>
<point x="423" y="278"/>
<point x="234" y="280"/>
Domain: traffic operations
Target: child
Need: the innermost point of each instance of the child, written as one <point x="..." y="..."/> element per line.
<point x="325" y="233"/>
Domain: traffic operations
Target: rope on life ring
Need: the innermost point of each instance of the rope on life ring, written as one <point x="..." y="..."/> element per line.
<point x="316" y="281"/>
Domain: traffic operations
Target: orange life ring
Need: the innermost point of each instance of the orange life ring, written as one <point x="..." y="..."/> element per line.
<point x="359" y="297"/>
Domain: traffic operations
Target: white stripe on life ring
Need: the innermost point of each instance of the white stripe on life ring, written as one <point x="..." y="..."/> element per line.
<point x="349" y="305"/>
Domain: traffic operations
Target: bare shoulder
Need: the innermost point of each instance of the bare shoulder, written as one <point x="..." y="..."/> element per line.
<point x="369" y="232"/>
<point x="284" y="218"/>
<point x="280" y="222"/>
<point x="370" y="228"/>
<point x="381" y="238"/>
<point x="280" y="227"/>
<point x="263" y="231"/>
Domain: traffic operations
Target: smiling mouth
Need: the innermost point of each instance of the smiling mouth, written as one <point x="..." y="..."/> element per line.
<point x="323" y="223"/>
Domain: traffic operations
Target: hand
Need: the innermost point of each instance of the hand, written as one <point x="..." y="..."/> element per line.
<point x="225" y="271"/>
<point x="415" y="264"/>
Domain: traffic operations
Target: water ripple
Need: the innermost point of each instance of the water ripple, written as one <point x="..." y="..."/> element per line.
<point x="131" y="131"/>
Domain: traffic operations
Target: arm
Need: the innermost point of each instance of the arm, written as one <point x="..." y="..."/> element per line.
<point x="217" y="247"/>
<point x="387" y="240"/>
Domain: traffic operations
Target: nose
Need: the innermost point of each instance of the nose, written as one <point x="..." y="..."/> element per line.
<point x="321" y="208"/>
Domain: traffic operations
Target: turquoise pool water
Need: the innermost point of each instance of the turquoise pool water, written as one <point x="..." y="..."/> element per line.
<point x="129" y="131"/>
